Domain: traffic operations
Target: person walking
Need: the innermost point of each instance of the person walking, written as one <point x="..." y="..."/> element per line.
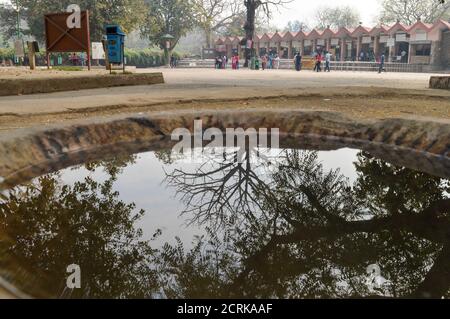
<point x="318" y="66"/>
<point x="74" y="59"/>
<point x="82" y="58"/>
<point x="298" y="61"/>
<point x="382" y="61"/>
<point x="404" y="56"/>
<point x="224" y="62"/>
<point x="218" y="63"/>
<point x="264" y="62"/>
<point x="328" y="56"/>
<point x="277" y="62"/>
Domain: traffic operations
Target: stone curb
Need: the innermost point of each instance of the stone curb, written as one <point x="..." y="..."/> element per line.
<point x="59" y="84"/>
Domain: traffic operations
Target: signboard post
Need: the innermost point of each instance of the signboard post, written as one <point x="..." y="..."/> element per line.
<point x="33" y="47"/>
<point x="18" y="49"/>
<point x="62" y="37"/>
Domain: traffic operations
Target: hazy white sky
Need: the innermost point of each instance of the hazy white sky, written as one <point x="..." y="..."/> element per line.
<point x="305" y="9"/>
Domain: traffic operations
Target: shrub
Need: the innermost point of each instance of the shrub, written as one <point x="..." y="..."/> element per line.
<point x="144" y="58"/>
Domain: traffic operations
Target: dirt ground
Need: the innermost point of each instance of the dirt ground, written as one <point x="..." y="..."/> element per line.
<point x="361" y="95"/>
<point x="23" y="72"/>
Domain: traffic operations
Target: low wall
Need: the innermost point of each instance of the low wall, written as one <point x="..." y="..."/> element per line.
<point x="440" y="82"/>
<point x="24" y="86"/>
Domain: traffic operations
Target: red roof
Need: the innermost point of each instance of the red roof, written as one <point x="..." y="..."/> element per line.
<point x="361" y="30"/>
<point x="287" y="36"/>
<point x="398" y="26"/>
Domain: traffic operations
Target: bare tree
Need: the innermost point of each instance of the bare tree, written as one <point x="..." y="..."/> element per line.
<point x="213" y="15"/>
<point x="296" y="26"/>
<point x="409" y="11"/>
<point x="252" y="6"/>
<point x="335" y="17"/>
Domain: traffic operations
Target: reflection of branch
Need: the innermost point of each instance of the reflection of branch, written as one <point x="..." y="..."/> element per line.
<point x="219" y="193"/>
<point x="315" y="202"/>
<point x="408" y="222"/>
<point x="437" y="281"/>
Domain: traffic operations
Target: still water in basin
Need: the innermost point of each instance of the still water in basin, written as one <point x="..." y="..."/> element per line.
<point x="301" y="224"/>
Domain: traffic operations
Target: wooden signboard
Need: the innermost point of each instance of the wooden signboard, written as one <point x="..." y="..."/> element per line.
<point x="62" y="38"/>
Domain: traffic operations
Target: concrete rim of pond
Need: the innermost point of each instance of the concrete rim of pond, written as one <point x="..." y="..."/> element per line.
<point x="28" y="153"/>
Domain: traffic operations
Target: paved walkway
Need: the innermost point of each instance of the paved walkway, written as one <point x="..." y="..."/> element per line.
<point x="185" y="84"/>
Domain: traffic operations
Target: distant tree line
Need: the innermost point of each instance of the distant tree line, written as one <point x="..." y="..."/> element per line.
<point x="156" y="18"/>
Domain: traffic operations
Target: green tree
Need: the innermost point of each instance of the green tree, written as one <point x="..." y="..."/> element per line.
<point x="167" y="17"/>
<point x="8" y="21"/>
<point x="127" y="13"/>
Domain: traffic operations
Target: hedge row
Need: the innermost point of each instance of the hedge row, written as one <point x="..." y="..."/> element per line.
<point x="146" y="57"/>
<point x="140" y="58"/>
<point x="6" y="53"/>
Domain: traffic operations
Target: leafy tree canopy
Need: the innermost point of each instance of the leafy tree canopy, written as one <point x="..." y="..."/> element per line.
<point x="127" y="13"/>
<point x="173" y="17"/>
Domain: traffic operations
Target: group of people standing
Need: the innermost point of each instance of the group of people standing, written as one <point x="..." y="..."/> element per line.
<point x="270" y="61"/>
<point x="273" y="62"/>
<point x="235" y="62"/>
<point x="221" y="62"/>
<point x="318" y="60"/>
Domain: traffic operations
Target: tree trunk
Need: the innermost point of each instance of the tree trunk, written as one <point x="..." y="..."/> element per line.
<point x="249" y="28"/>
<point x="166" y="57"/>
<point x="208" y="38"/>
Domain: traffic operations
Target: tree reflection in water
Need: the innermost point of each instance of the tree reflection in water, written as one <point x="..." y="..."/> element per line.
<point x="315" y="234"/>
<point x="51" y="226"/>
<point x="297" y="232"/>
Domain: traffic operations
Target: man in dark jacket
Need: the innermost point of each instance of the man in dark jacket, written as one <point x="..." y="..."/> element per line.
<point x="298" y="61"/>
<point x="382" y="61"/>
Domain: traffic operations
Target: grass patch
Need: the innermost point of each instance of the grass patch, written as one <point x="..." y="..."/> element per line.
<point x="67" y="68"/>
<point x="121" y="73"/>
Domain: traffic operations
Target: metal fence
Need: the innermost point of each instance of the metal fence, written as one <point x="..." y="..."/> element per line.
<point x="286" y="64"/>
